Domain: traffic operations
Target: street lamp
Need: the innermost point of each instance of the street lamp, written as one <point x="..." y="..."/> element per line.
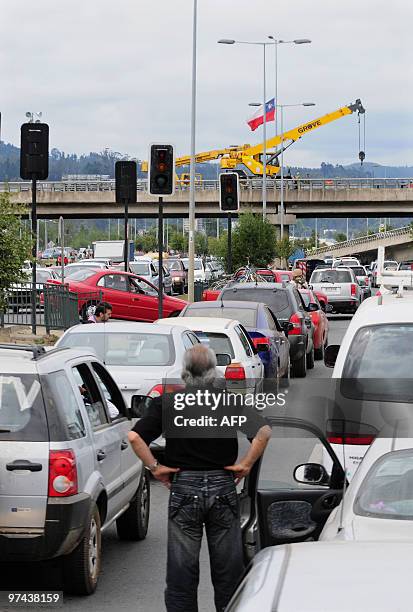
<point x="281" y="107"/>
<point x="191" y="233"/>
<point x="276" y="42"/>
<point x="230" y="41"/>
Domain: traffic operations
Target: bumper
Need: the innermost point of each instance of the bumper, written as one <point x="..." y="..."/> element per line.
<point x="297" y="346"/>
<point x="340" y="303"/>
<point x="66" y="520"/>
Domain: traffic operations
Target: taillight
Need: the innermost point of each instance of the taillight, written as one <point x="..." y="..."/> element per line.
<point x="263" y="340"/>
<point x="297" y="329"/>
<point x="62" y="473"/>
<point x="160" y="389"/>
<point x="352" y="438"/>
<point x="353" y="289"/>
<point x="235" y="371"/>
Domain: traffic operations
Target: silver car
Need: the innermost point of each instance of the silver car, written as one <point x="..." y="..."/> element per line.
<point x="341" y="287"/>
<point x="67" y="469"/>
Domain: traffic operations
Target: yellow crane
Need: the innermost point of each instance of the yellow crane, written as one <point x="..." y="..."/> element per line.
<point x="251" y="156"/>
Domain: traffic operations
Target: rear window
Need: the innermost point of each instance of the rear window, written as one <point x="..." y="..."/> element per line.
<point x="219" y="343"/>
<point x="125" y="349"/>
<point x="140" y="268"/>
<point x="276" y="299"/>
<point x="83" y="274"/>
<point x="42" y="276"/>
<point x="173" y="265"/>
<point x="382" y="356"/>
<point x="359" y="271"/>
<point x="246" y="316"/>
<point x="70" y="270"/>
<point x="403" y="266"/>
<point x="22" y="410"/>
<point x="331" y="276"/>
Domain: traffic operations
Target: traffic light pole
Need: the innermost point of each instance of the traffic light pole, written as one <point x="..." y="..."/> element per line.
<point x="160" y="257"/>
<point x="126" y="234"/>
<point x="229" y="254"/>
<point x="34" y="254"/>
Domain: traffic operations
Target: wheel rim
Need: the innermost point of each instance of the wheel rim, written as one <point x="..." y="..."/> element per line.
<point x="144" y="501"/>
<point x="93" y="549"/>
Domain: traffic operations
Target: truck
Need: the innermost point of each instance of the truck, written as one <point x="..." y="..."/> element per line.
<point x="113" y="250"/>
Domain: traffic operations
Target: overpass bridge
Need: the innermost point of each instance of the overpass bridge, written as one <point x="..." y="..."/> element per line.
<point x="303" y="198"/>
<point x="398" y="245"/>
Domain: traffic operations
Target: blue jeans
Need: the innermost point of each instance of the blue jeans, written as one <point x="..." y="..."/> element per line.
<point x="201" y="498"/>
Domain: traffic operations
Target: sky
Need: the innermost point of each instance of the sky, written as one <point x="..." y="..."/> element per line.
<point x="118" y="74"/>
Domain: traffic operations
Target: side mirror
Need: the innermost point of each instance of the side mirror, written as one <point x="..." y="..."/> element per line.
<point x="312" y="307"/>
<point x="223" y="359"/>
<point x="311" y="474"/>
<point x="330" y="355"/>
<point x="287" y="327"/>
<point x="262" y="348"/>
<point x="139" y="405"/>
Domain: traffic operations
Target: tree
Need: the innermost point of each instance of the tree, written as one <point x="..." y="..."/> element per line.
<point x="253" y="242"/>
<point x="201" y="243"/>
<point x="178" y="242"/>
<point x="149" y="241"/>
<point x="15" y="246"/>
<point x="340" y="237"/>
<point x="284" y="248"/>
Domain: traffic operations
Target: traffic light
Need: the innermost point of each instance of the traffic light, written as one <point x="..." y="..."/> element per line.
<point x="161" y="179"/>
<point x="34" y="151"/>
<point x="125" y="181"/>
<point x="229" y="192"/>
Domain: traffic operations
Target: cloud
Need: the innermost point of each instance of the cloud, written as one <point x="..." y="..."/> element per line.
<point x="118" y="74"/>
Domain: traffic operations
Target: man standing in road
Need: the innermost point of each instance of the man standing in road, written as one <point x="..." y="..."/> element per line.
<point x="202" y="474"/>
<point x="299" y="279"/>
<point x="102" y="314"/>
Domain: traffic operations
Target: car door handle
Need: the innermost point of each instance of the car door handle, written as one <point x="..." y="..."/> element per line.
<point x="23" y="464"/>
<point x="100" y="455"/>
<point x="124" y="445"/>
<point x="135" y="299"/>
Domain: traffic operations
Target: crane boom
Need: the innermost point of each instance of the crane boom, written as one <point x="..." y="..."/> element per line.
<point x="250" y="156"/>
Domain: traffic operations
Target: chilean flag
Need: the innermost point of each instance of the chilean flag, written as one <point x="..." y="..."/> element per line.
<point x="258" y="118"/>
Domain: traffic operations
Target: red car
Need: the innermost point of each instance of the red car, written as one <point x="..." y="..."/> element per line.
<point x="133" y="298"/>
<point x="320" y="322"/>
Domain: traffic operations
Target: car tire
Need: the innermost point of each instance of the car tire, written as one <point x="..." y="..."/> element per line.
<point x="319" y="353"/>
<point x="310" y="359"/>
<point x="81" y="567"/>
<point x="133" y="524"/>
<point x="299" y="369"/>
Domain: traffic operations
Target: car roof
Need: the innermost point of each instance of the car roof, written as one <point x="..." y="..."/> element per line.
<point x="392" y="309"/>
<point x="202" y="323"/>
<point x="216" y="304"/>
<point x="23" y="362"/>
<point x="127" y="327"/>
<point x="252" y="285"/>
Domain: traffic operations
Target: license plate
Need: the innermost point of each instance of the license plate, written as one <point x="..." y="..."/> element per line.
<point x="330" y="289"/>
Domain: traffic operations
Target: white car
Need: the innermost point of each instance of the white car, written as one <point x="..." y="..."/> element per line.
<point x="378" y="505"/>
<point x="226" y="336"/>
<point x="139" y="356"/>
<point x="377" y="353"/>
<point x="340" y="285"/>
<point x="346" y="261"/>
<point x="199" y="268"/>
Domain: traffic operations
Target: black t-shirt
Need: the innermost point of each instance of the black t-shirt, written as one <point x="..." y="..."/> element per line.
<point x="192" y="453"/>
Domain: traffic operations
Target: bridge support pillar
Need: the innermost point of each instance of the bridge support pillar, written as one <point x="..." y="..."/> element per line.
<point x="275" y="219"/>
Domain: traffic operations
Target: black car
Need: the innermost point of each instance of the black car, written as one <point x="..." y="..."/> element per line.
<point x="287" y="305"/>
<point x="262" y="326"/>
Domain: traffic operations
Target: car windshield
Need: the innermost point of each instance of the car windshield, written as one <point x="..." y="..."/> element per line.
<point x="125" y="349"/>
<point x="219" y="343"/>
<point x="387" y="490"/>
<point x="70" y="270"/>
<point x="83" y="274"/>
<point x="331" y="276"/>
<point x="22" y="412"/>
<point x="141" y="268"/>
<point x="305" y="297"/>
<point x="173" y="265"/>
<point x="404" y="266"/>
<point x="197" y="264"/>
<point x="246" y="316"/>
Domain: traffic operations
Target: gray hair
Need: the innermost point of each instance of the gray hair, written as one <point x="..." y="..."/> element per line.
<point x="199" y="366"/>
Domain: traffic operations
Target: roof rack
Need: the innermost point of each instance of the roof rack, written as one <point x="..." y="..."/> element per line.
<point x="37" y="351"/>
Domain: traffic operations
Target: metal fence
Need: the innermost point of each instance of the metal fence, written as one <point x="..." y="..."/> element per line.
<point x="55" y="306"/>
<point x="300" y="184"/>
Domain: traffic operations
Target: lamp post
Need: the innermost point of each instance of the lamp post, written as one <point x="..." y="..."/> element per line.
<point x="191" y="234"/>
<point x="276" y="42"/>
<point x="264" y="45"/>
